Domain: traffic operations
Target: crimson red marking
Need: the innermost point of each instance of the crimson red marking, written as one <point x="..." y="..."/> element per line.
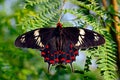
<point x="43" y="53"/>
<point x="68" y="61"/>
<point x="56" y="52"/>
<point x="47" y="46"/>
<point x="73" y="58"/>
<point x="46" y="58"/>
<point x="56" y="60"/>
<point x="59" y="25"/>
<point x="62" y="59"/>
<point x="71" y="46"/>
<point x="76" y="52"/>
<point x="62" y="52"/>
<point x="52" y="61"/>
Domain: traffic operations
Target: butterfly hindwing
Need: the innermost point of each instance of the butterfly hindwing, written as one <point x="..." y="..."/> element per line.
<point x="59" y="50"/>
<point x="36" y="39"/>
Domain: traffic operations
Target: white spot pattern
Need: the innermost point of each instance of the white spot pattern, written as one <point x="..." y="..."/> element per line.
<point x="77" y="44"/>
<point x="82" y="32"/>
<point x="96" y="38"/>
<point x="38" y="39"/>
<point x="36" y="33"/>
<point x="95" y="34"/>
<point x="80" y="41"/>
<point x="80" y="37"/>
<point x="22" y="39"/>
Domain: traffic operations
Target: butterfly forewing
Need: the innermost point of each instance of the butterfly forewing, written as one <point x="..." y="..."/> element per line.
<point x="83" y="38"/>
<point x="36" y="39"/>
<point x="88" y="39"/>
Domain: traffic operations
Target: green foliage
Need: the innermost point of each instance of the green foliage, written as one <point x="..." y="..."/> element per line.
<point x="43" y="13"/>
<point x="27" y="64"/>
<point x="106" y="54"/>
<point x="106" y="58"/>
<point x="107" y="61"/>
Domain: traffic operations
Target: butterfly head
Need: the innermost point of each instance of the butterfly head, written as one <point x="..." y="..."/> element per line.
<point x="59" y="25"/>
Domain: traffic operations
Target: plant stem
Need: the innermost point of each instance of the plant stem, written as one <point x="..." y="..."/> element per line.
<point x="61" y="11"/>
<point x="117" y="27"/>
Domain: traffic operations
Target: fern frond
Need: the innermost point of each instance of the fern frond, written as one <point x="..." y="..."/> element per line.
<point x="106" y="58"/>
<point x="92" y="6"/>
<point x="34" y="2"/>
<point x="44" y="13"/>
<point x="107" y="63"/>
<point x="105" y="54"/>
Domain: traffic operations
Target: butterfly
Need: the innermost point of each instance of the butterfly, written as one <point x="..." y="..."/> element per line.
<point x="59" y="45"/>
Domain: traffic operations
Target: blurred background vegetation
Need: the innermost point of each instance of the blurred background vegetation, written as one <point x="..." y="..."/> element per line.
<point x="19" y="16"/>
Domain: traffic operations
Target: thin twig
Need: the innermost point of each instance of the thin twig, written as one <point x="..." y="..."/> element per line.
<point x="104" y="2"/>
<point x="61" y="11"/>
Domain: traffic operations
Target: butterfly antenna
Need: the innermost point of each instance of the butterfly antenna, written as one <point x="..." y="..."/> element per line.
<point x="61" y="11"/>
<point x="72" y="69"/>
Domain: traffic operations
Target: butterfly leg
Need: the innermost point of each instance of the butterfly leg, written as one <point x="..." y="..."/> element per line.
<point x="72" y="69"/>
<point x="48" y="67"/>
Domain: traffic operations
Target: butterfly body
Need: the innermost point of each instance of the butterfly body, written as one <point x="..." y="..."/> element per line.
<point x="59" y="45"/>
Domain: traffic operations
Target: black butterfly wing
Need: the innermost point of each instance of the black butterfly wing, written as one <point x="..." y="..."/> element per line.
<point x="83" y="38"/>
<point x="36" y="39"/>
